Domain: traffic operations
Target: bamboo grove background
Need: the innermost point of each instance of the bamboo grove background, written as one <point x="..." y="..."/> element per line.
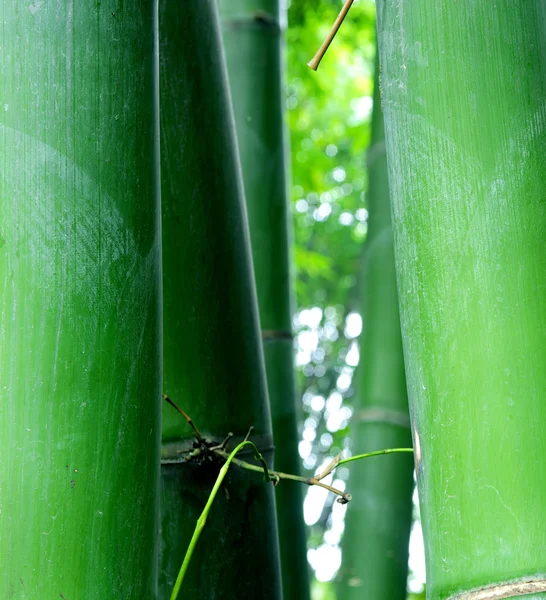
<point x="188" y="211"/>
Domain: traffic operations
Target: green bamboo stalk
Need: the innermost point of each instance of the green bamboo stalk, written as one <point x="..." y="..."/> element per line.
<point x="213" y="361"/>
<point x="253" y="41"/>
<point x="269" y="476"/>
<point x="375" y="543"/>
<point x="80" y="308"/>
<point x="463" y="89"/>
<point x="202" y="520"/>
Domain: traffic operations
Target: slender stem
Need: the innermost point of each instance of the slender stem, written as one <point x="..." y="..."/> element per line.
<point x="224" y="443"/>
<point x="185" y="415"/>
<point x="376" y="453"/>
<point x="274" y="476"/>
<point x="336" y="462"/>
<point x="315" y="61"/>
<point x="329" y="468"/>
<point x="203" y="517"/>
<point x="344" y="497"/>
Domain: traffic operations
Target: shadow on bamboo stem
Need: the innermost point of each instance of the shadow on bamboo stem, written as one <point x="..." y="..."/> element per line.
<point x="204" y="449"/>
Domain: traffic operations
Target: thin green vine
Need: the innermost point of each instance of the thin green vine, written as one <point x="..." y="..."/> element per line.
<point x="270" y="476"/>
<point x="203" y="517"/>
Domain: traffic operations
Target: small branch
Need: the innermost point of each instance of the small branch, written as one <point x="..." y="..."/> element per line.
<point x="258" y="457"/>
<point x="250" y="430"/>
<point x="223" y="445"/>
<point x="203" y="517"/>
<point x="315" y="61"/>
<point x="370" y="454"/>
<point x="188" y="419"/>
<point x="329" y="468"/>
<point x="270" y="476"/>
<point x="187" y="456"/>
<point x="276" y="476"/>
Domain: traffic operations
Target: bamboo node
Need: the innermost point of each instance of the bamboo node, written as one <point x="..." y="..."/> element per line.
<point x="376" y="414"/>
<point x="502" y="591"/>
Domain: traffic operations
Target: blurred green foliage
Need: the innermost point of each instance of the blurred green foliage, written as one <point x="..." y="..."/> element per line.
<point x="327" y="591"/>
<point x="328" y="114"/>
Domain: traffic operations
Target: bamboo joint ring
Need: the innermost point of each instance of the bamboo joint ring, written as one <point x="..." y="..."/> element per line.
<point x="502" y="591"/>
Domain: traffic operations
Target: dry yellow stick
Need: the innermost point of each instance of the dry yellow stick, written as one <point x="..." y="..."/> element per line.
<point x="315" y="61"/>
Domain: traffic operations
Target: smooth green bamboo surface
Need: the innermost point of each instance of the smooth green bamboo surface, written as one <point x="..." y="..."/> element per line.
<point x="464" y="88"/>
<point x="79" y="301"/>
<point x="213" y="360"/>
<point x="375" y="542"/>
<point x="253" y="41"/>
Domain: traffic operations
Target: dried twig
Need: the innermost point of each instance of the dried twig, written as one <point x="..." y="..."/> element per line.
<point x="276" y="476"/>
<point x="188" y="419"/>
<point x="315" y="61"/>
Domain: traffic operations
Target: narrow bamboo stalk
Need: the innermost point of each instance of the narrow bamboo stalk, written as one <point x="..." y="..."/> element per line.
<point x="213" y="359"/>
<point x="202" y="520"/>
<point x="375" y="542"/>
<point x="80" y="308"/>
<point x="463" y="90"/>
<point x="253" y="40"/>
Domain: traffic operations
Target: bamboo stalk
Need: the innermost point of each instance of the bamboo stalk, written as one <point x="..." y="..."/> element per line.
<point x="213" y="360"/>
<point x="253" y="41"/>
<point x="463" y="90"/>
<point x="202" y="520"/>
<point x="270" y="476"/>
<point x="80" y="306"/>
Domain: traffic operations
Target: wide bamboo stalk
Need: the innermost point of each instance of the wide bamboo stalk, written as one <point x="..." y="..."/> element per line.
<point x="253" y="41"/>
<point x="213" y="360"/>
<point x="464" y="88"/>
<point x="79" y="301"/>
<point x="375" y="542"/>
